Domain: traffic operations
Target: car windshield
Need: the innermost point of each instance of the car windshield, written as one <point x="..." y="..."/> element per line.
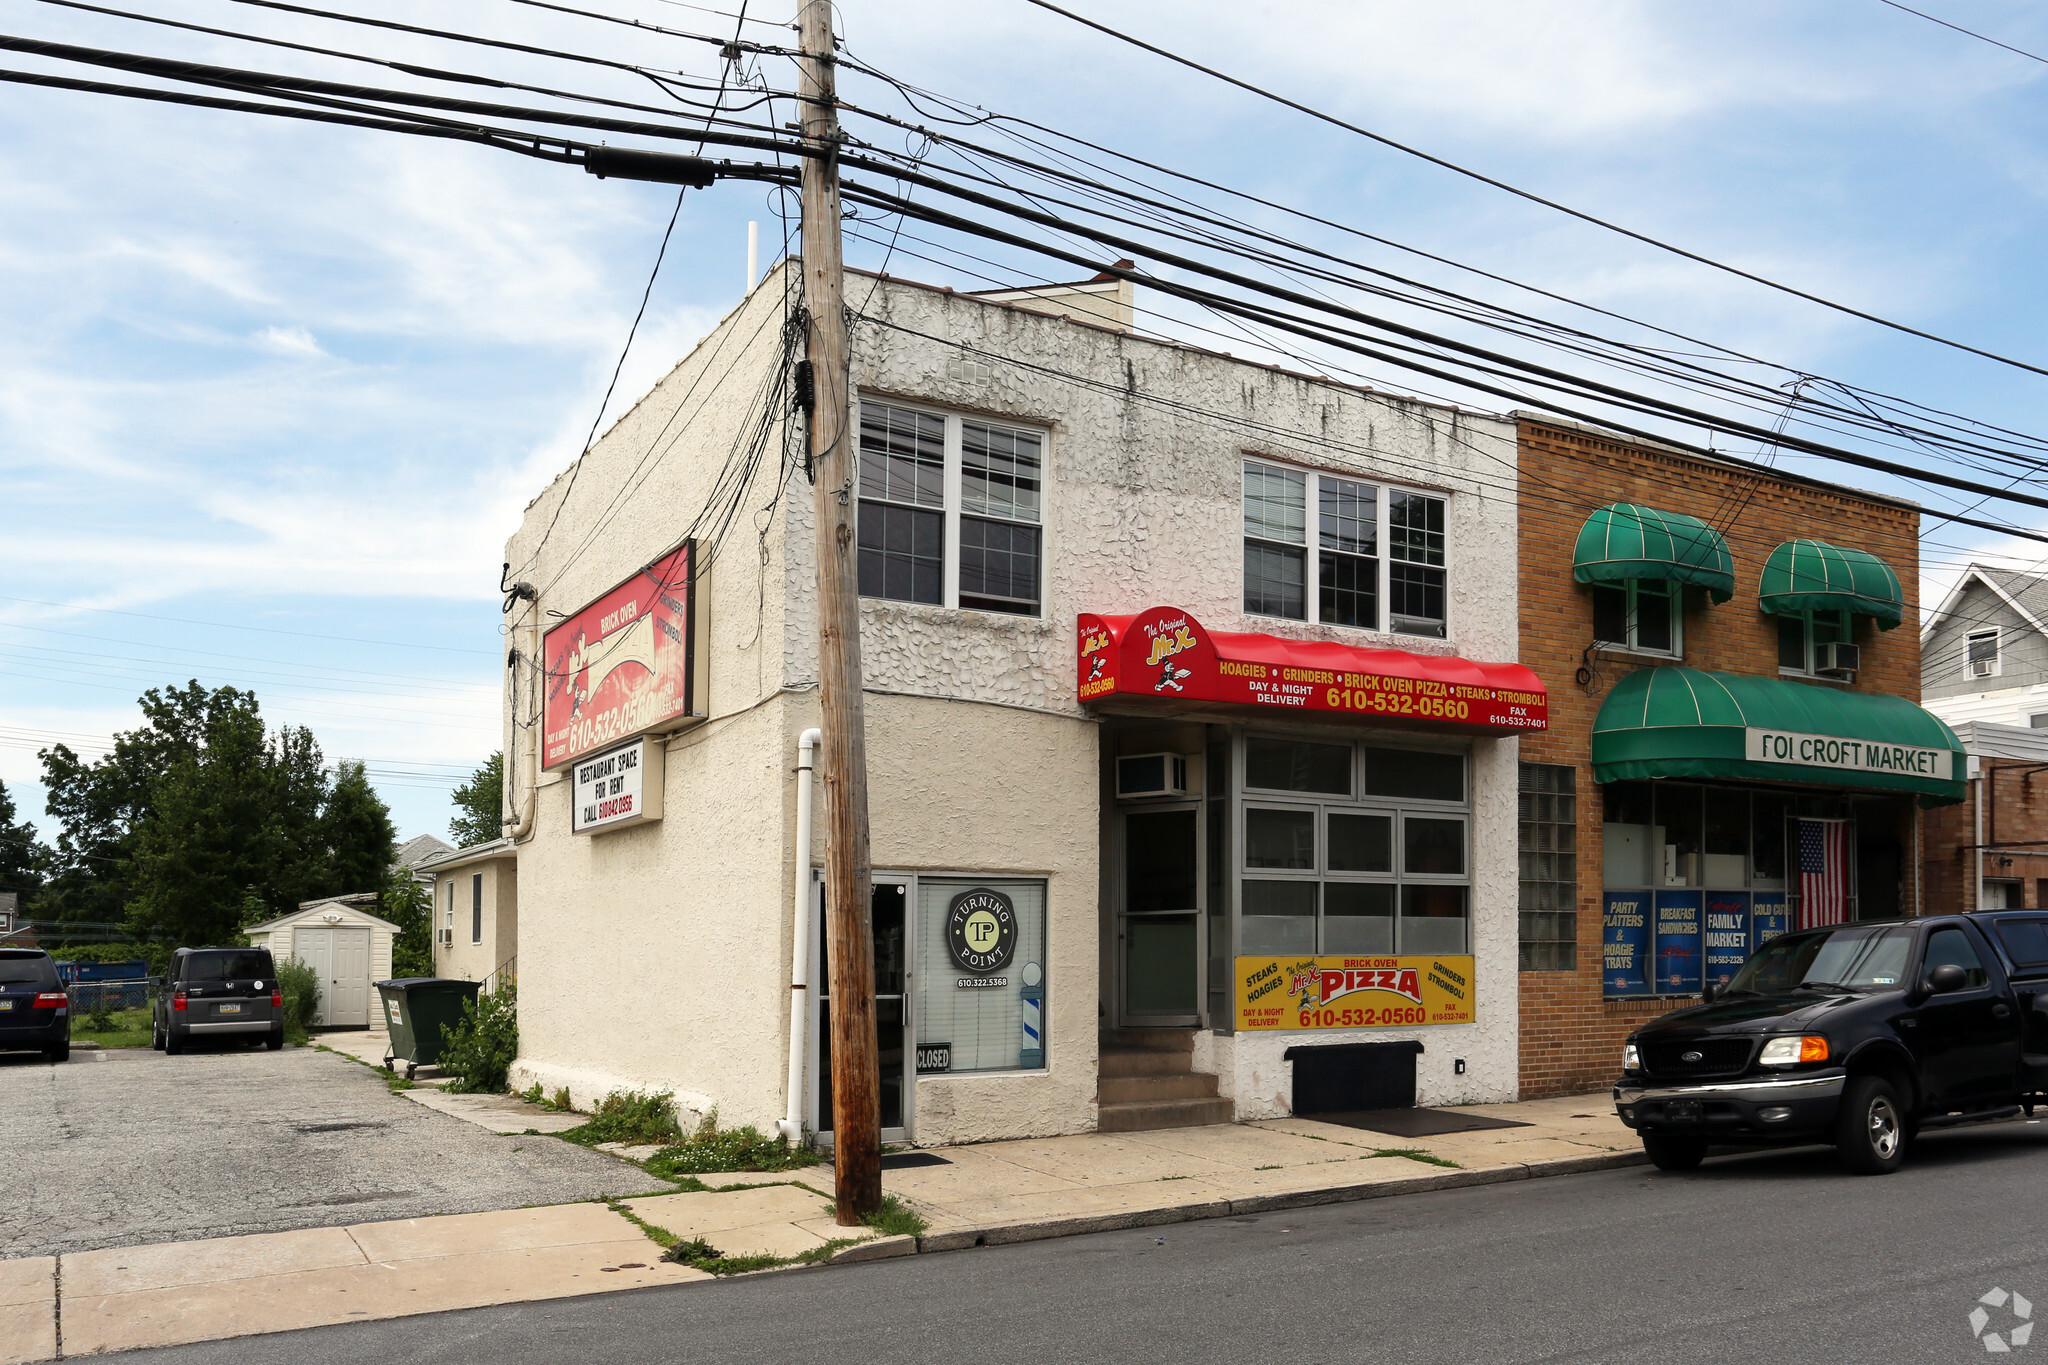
<point x="1860" y="957"/>
<point x="227" y="966"/>
<point x="26" y="969"/>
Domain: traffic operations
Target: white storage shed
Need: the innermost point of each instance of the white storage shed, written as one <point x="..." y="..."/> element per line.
<point x="346" y="946"/>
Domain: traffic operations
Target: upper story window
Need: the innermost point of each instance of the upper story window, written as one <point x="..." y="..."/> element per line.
<point x="1980" y="656"/>
<point x="1378" y="558"/>
<point x="1642" y="614"/>
<point x="950" y="510"/>
<point x="1802" y="636"/>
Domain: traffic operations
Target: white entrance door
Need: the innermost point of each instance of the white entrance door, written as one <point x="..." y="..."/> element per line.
<point x="349" y="990"/>
<point x="315" y="948"/>
<point x="340" y="959"/>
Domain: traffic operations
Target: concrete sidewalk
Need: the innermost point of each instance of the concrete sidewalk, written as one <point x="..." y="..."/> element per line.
<point x="980" y="1195"/>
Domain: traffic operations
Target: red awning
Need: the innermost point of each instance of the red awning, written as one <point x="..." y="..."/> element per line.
<point x="1164" y="653"/>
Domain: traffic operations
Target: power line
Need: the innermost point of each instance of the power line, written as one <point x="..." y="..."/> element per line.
<point x="1968" y="33"/>
<point x="1644" y="238"/>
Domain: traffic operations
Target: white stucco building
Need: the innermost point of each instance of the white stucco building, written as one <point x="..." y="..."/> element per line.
<point x="1191" y="711"/>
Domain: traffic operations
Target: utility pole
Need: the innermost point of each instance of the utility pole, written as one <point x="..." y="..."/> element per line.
<point x="856" y="1073"/>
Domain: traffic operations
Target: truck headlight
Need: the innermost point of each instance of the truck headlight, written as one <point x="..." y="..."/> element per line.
<point x="1631" y="1060"/>
<point x="1811" y="1047"/>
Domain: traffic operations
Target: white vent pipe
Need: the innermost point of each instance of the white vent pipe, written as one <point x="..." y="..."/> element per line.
<point x="792" y="1124"/>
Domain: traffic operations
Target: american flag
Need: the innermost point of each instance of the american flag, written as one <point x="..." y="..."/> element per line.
<point x="1823" y="872"/>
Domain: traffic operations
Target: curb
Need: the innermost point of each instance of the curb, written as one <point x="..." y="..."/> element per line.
<point x="965" y="1238"/>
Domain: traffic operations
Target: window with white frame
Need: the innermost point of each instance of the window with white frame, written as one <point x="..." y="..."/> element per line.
<point x="1800" y="632"/>
<point x="1980" y="654"/>
<point x="1376" y="559"/>
<point x="1642" y="615"/>
<point x="951" y="510"/>
<point x="448" y="921"/>
<point x="1352" y="849"/>
<point x="476" y="908"/>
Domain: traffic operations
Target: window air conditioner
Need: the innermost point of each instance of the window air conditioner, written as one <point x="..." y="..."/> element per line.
<point x="1983" y="668"/>
<point x="1835" y="659"/>
<point x="447" y="937"/>
<point x="1152" y="775"/>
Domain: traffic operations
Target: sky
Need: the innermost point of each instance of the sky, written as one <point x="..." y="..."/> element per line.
<point x="273" y="395"/>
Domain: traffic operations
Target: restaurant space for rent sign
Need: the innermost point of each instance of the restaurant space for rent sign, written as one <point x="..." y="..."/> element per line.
<point x="624" y="665"/>
<point x="621" y="786"/>
<point x="1352" y="992"/>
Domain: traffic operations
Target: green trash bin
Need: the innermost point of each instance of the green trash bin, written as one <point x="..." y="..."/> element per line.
<point x="421" y="1011"/>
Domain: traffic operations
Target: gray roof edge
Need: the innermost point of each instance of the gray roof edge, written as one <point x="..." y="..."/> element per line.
<point x="495" y="848"/>
<point x="1985" y="739"/>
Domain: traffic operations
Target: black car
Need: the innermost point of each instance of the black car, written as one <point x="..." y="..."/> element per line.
<point x="35" y="1013"/>
<point x="218" y="992"/>
<point x="1860" y="1035"/>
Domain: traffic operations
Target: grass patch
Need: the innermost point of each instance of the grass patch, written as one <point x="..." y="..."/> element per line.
<point x="711" y="1150"/>
<point x="397" y="1083"/>
<point x="1273" y="1167"/>
<point x="629" y="1116"/>
<point x="701" y="1255"/>
<point x="114" y="1028"/>
<point x="1415" y="1154"/>
<point x="895" y="1219"/>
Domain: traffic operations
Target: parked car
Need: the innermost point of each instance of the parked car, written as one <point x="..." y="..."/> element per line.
<point x="215" y="992"/>
<point x="35" y="1013"/>
<point x="1862" y="1035"/>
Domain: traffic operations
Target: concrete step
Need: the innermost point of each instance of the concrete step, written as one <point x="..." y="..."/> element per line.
<point x="1144" y="1115"/>
<point x="1148" y="1039"/>
<point x="1184" y="1085"/>
<point x="1140" y="1062"/>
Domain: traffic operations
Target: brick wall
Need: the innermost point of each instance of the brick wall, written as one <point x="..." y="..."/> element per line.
<point x="2015" y="815"/>
<point x="1571" y="1038"/>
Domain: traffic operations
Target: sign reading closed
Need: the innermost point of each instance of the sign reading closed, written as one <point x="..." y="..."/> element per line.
<point x="621" y="786"/>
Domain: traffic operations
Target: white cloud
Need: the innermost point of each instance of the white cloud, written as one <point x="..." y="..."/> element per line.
<point x="296" y="342"/>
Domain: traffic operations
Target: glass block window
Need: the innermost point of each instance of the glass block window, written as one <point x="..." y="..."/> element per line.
<point x="1547" y="840"/>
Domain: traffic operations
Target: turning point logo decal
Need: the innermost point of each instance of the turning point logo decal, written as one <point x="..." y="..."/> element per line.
<point x="2018" y="1333"/>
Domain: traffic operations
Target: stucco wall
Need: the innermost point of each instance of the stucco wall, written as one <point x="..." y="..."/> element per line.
<point x="657" y="957"/>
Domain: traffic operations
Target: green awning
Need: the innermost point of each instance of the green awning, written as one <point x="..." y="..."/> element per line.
<point x="1683" y="722"/>
<point x="1623" y="541"/>
<point x="1812" y="575"/>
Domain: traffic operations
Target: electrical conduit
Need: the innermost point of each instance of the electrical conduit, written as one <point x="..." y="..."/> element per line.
<point x="792" y="1125"/>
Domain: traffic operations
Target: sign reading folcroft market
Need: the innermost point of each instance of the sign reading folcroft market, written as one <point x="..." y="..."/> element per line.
<point x="1854" y="755"/>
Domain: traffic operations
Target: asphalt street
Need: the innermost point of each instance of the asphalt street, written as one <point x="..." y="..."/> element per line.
<point x="130" y="1146"/>
<point x="1779" y="1257"/>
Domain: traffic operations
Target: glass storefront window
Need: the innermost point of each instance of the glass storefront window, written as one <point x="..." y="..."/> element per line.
<point x="1278" y="917"/>
<point x="1286" y="765"/>
<point x="1280" y="839"/>
<point x="1414" y="775"/>
<point x="1681" y="818"/>
<point x="1358" y="917"/>
<point x="1767" y="853"/>
<point x="992" y="1019"/>
<point x="1361" y="843"/>
<point x="1433" y="919"/>
<point x="1432" y="847"/>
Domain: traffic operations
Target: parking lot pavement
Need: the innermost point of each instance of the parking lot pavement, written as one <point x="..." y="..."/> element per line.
<point x="126" y="1147"/>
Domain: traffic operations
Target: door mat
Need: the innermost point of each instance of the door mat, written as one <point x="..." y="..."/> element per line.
<point x="1413" y="1122"/>
<point x="903" y="1161"/>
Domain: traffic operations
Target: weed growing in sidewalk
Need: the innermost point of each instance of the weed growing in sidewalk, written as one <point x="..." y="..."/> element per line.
<point x="629" y="1116"/>
<point x="895" y="1219"/>
<point x="1415" y="1154"/>
<point x="701" y="1255"/>
<point x="711" y="1149"/>
<point x="558" y="1103"/>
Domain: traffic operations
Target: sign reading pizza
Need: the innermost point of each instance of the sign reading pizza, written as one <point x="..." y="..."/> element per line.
<point x="1166" y="654"/>
<point x="1352" y="992"/>
<point x="622" y="666"/>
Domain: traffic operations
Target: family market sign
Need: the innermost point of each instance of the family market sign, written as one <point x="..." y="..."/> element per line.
<point x="1167" y="655"/>
<point x="1849" y="755"/>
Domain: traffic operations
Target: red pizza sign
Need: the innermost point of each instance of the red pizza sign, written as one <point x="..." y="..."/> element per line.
<point x="623" y="665"/>
<point x="1166" y="654"/>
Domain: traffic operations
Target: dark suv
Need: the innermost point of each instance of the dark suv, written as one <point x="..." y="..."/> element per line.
<point x="218" y="992"/>
<point x="35" y="1013"/>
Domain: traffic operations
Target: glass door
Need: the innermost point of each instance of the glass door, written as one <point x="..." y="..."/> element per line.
<point x="890" y="903"/>
<point x="1159" y="923"/>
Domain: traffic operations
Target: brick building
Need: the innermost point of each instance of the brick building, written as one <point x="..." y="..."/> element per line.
<point x="1729" y="706"/>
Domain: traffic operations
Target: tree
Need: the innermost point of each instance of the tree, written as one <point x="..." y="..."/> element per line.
<point x="24" y="861"/>
<point x="356" y="833"/>
<point x="410" y="906"/>
<point x="480" y="805"/>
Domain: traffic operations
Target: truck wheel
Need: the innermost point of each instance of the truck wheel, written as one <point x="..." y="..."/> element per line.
<point x="1870" y="1130"/>
<point x="60" y="1053"/>
<point x="173" y="1044"/>
<point x="156" y="1035"/>
<point x="275" y="1042"/>
<point x="1675" y="1153"/>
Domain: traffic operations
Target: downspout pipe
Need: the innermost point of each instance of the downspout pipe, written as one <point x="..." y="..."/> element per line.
<point x="792" y="1124"/>
<point x="518" y="827"/>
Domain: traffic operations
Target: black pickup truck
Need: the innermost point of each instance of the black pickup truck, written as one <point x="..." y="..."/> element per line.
<point x="1860" y="1035"/>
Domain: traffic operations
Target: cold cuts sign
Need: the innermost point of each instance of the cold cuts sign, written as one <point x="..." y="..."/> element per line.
<point x="623" y="665"/>
<point x="620" y="787"/>
<point x="1166" y="654"/>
